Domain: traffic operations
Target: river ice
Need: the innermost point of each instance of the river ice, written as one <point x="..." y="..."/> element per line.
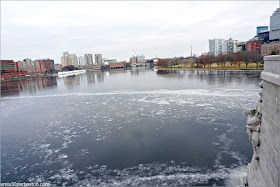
<point x="59" y="148"/>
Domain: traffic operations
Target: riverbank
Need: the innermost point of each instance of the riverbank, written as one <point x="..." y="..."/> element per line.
<point x="26" y="77"/>
<point x="212" y="69"/>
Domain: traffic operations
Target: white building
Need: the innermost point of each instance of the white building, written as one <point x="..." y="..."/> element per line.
<point x="138" y="60"/>
<point x="275" y="25"/>
<point x="133" y="60"/>
<point x="69" y="59"/>
<point x="73" y="60"/>
<point x="141" y="59"/>
<point x="81" y="60"/>
<point x="65" y="59"/>
<point x="224" y="47"/>
<point x="98" y="59"/>
<point x="88" y="59"/>
<point x="216" y="46"/>
<point x="221" y="46"/>
<point x="229" y="46"/>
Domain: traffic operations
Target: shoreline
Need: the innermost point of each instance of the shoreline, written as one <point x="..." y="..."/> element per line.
<point x="24" y="77"/>
<point x="212" y="69"/>
<point x="156" y="68"/>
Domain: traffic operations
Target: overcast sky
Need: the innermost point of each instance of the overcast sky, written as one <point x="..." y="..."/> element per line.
<point x="42" y="29"/>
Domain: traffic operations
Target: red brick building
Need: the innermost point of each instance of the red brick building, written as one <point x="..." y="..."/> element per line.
<point x="266" y="49"/>
<point x="117" y="65"/>
<point x="8" y="68"/>
<point x="39" y="67"/>
<point x="254" y="45"/>
<point x="19" y="66"/>
<point x="49" y="65"/>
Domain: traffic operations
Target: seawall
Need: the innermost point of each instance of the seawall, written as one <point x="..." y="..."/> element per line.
<point x="263" y="128"/>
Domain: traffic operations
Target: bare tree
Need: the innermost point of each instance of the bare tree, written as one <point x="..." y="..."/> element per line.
<point x="212" y="59"/>
<point x="200" y="61"/>
<point x="248" y="56"/>
<point x="207" y="60"/>
<point x="257" y="58"/>
<point x="222" y="60"/>
<point x="162" y="62"/>
<point x="238" y="58"/>
<point x="230" y="58"/>
<point x="181" y="60"/>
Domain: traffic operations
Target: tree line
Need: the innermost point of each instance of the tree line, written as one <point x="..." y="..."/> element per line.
<point x="208" y="60"/>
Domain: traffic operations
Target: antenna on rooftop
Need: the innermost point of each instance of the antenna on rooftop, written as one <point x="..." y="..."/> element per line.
<point x="191" y="50"/>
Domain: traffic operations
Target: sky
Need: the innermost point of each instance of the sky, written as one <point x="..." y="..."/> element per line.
<point x="119" y="29"/>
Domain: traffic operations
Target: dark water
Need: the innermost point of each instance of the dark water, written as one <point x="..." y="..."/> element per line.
<point x="134" y="127"/>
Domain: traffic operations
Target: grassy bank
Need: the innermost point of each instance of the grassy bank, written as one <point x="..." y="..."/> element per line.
<point x="215" y="66"/>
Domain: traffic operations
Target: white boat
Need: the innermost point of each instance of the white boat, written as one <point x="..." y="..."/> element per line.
<point x="67" y="73"/>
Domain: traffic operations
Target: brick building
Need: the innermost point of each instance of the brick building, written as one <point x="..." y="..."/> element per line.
<point x="266" y="49"/>
<point x="8" y="69"/>
<point x="29" y="66"/>
<point x="254" y="45"/>
<point x="117" y="65"/>
<point x="19" y="66"/>
<point x="48" y="65"/>
<point x="39" y="67"/>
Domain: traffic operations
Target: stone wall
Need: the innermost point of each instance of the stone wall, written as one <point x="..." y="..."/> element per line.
<point x="263" y="128"/>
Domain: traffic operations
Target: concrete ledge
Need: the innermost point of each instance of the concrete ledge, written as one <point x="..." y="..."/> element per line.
<point x="271" y="58"/>
<point x="271" y="71"/>
<point x="271" y="77"/>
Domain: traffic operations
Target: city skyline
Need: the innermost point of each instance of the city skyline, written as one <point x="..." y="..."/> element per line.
<point x="118" y="30"/>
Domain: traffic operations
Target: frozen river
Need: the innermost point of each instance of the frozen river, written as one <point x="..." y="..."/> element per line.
<point x="136" y="127"/>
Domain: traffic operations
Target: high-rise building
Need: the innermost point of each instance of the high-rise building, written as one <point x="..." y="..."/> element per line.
<point x="88" y="59"/>
<point x="275" y="25"/>
<point x="69" y="59"/>
<point x="73" y="60"/>
<point x="231" y="46"/>
<point x="81" y="60"/>
<point x="216" y="46"/>
<point x="263" y="36"/>
<point x="65" y="59"/>
<point x="261" y="29"/>
<point x="98" y="58"/>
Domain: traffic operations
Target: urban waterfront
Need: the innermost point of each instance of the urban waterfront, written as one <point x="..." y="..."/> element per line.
<point x="128" y="127"/>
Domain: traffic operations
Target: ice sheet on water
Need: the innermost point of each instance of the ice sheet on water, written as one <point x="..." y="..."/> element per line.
<point x="141" y="175"/>
<point x="188" y="92"/>
<point x="167" y="106"/>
